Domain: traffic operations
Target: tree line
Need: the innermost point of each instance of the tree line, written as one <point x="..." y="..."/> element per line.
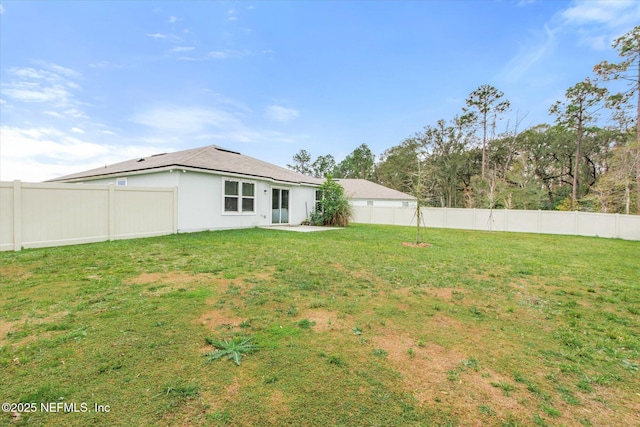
<point x="575" y="163"/>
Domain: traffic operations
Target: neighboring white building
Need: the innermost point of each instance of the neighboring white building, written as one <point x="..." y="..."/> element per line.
<point x="361" y="192"/>
<point x="217" y="188"/>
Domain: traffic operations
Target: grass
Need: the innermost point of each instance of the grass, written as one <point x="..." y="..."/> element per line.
<point x="353" y="328"/>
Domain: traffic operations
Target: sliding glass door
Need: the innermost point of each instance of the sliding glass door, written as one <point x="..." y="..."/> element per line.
<point x="279" y="206"/>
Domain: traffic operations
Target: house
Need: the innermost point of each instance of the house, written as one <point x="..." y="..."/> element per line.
<point x="217" y="188"/>
<point x="362" y="192"/>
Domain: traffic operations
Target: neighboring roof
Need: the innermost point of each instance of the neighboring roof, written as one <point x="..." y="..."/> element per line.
<point x="363" y="189"/>
<point x="208" y="159"/>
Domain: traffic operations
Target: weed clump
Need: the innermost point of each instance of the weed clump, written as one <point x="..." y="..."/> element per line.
<point x="233" y="348"/>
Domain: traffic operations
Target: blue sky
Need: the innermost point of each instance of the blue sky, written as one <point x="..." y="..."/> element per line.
<point x="84" y="83"/>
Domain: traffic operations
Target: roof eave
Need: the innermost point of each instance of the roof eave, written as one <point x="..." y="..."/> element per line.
<point x="183" y="167"/>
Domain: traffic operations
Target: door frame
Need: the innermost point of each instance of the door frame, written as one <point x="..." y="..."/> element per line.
<point x="280" y="190"/>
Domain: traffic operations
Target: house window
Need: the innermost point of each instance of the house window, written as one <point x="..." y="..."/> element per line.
<point x="319" y="197"/>
<point x="405" y="204"/>
<point x="239" y="196"/>
<point x="121" y="182"/>
<point x="248" y="197"/>
<point x="369" y="202"/>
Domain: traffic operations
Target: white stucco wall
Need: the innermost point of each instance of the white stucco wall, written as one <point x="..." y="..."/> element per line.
<point x="382" y="203"/>
<point x="200" y="199"/>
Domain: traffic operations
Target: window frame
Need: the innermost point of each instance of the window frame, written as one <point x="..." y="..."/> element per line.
<point x="240" y="197"/>
<point x="121" y="182"/>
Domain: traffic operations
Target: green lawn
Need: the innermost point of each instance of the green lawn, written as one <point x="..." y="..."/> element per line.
<point x="352" y="328"/>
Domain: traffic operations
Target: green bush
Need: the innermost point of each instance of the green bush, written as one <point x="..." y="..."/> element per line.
<point x="334" y="206"/>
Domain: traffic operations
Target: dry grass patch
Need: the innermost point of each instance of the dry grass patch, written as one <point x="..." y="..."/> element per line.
<point x="37" y="319"/>
<point x="278" y="407"/>
<point x="214" y="320"/>
<point x="6" y="328"/>
<point x="326" y="320"/>
<point x="14" y="273"/>
<point x="448" y="294"/>
<point x="435" y="374"/>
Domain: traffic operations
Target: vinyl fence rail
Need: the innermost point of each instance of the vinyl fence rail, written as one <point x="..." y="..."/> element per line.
<point x="545" y="222"/>
<point x="46" y="214"/>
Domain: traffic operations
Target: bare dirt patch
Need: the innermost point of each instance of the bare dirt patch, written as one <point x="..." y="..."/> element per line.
<point x="325" y="320"/>
<point x="214" y="320"/>
<point x="233" y="388"/>
<point x="169" y="277"/>
<point x="416" y="245"/>
<point x="266" y="274"/>
<point x="444" y="322"/>
<point x="447" y="293"/>
<point x="5" y="328"/>
<point x="427" y="370"/>
<point x="39" y="318"/>
<point x="166" y="282"/>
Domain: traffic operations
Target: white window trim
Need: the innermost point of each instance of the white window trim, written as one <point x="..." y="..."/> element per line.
<point x="241" y="182"/>
<point x="123" y="180"/>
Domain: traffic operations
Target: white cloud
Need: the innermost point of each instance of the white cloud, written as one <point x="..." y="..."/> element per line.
<point x="184" y="120"/>
<point x="280" y="114"/>
<point x="592" y="23"/>
<point x="39" y="154"/>
<point x="607" y="12"/>
<point x="75" y="113"/>
<point x="43" y="153"/>
<point x="28" y="92"/>
<point x="54" y="114"/>
<point x="1" y="9"/>
<point x="55" y="88"/>
<point x="598" y="22"/>
<point x="173" y="19"/>
<point x="529" y="54"/>
<point x="68" y="72"/>
<point x="217" y="55"/>
<point x="77" y="130"/>
<point x="157" y="36"/>
<point x="224" y="123"/>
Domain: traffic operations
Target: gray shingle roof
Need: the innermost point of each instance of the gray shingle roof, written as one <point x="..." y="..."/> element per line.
<point x="208" y="159"/>
<point x="363" y="189"/>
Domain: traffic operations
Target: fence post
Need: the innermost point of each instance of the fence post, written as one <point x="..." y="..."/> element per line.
<point x="17" y="215"/>
<point x="575" y="224"/>
<point x="475" y="220"/>
<point x="616" y="231"/>
<point x="539" y="221"/>
<point x="112" y="212"/>
<point x="504" y="226"/>
<point x="175" y="210"/>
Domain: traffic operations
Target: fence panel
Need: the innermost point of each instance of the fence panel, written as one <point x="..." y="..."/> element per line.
<point x="46" y="214"/>
<point x="524" y="221"/>
<point x="6" y="216"/>
<point x="143" y="212"/>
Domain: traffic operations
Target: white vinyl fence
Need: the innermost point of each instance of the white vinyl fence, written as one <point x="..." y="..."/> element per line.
<point x="546" y="222"/>
<point x="42" y="215"/>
